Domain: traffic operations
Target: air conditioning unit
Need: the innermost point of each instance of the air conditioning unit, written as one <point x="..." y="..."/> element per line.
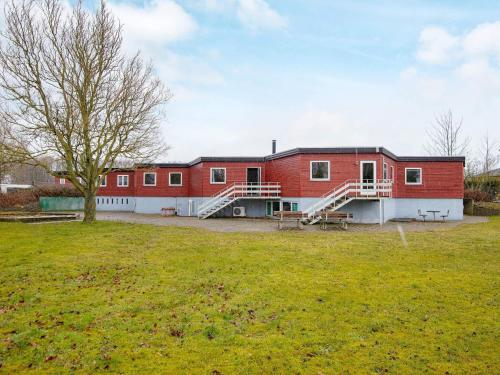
<point x="239" y="211"/>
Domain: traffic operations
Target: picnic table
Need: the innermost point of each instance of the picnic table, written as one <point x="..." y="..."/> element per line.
<point x="333" y="217"/>
<point x="294" y="217"/>
<point x="433" y="212"/>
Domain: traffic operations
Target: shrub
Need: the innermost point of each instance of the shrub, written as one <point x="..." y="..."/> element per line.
<point x="27" y="199"/>
<point x="477" y="195"/>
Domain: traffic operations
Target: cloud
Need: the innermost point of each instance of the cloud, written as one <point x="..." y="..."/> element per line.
<point x="157" y="22"/>
<point x="258" y="15"/>
<point x="436" y="45"/>
<point x="484" y="40"/>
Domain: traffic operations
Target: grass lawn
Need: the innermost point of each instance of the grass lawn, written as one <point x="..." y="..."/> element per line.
<point x="142" y="299"/>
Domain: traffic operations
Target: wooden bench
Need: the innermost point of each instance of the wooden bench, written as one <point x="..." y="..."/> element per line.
<point x="168" y="211"/>
<point x="289" y="217"/>
<point x="334" y="217"/>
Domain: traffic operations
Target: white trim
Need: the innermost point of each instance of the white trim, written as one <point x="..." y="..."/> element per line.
<point x="103" y="179"/>
<point x="260" y="173"/>
<point x="211" y="175"/>
<point x="413" y="183"/>
<point x="118" y="180"/>
<point x="385" y="171"/>
<point x="144" y="179"/>
<point x="171" y="173"/>
<point x="310" y="170"/>
<point x="62" y="181"/>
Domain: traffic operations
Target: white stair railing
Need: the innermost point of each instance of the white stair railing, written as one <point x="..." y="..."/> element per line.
<point x="347" y="191"/>
<point x="238" y="190"/>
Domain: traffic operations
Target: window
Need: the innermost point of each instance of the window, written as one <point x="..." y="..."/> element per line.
<point x="150" y="179"/>
<point x="122" y="180"/>
<point x="175" y="179"/>
<point x="413" y="176"/>
<point x="320" y="170"/>
<point x="62" y="181"/>
<point x="392" y="173"/>
<point x="290" y="206"/>
<point x="104" y="181"/>
<point x="384" y="172"/>
<point x="217" y="175"/>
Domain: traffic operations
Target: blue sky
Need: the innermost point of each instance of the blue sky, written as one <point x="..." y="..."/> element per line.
<point x="317" y="72"/>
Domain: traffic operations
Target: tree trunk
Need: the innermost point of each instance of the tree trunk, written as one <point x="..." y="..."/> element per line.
<point x="89" y="207"/>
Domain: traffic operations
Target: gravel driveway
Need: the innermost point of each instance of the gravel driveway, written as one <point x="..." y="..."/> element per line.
<point x="268" y="225"/>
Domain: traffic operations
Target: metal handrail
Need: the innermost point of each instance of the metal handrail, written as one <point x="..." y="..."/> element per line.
<point x="381" y="188"/>
<point x="243" y="189"/>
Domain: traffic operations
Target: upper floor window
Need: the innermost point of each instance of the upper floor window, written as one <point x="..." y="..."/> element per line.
<point x="175" y="179"/>
<point x="217" y="175"/>
<point x="392" y="173"/>
<point x="413" y="176"/>
<point x="104" y="181"/>
<point x="62" y="181"/>
<point x="150" y="179"/>
<point x="320" y="170"/>
<point x="384" y="172"/>
<point x="122" y="180"/>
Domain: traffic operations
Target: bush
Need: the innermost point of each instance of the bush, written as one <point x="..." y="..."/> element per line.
<point x="478" y="195"/>
<point x="27" y="199"/>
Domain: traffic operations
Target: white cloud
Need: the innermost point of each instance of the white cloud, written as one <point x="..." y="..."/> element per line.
<point x="257" y="15"/>
<point x="484" y="40"/>
<point x="436" y="45"/>
<point x="157" y="22"/>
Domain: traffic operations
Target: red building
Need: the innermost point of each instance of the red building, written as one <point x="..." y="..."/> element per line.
<point x="370" y="182"/>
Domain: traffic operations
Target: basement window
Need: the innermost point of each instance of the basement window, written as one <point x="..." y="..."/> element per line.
<point x="217" y="175"/>
<point x="413" y="176"/>
<point x="122" y="180"/>
<point x="320" y="171"/>
<point x="175" y="179"/>
<point x="150" y="179"/>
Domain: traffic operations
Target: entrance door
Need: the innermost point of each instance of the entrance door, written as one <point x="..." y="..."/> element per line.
<point x="272" y="206"/>
<point x="368" y="177"/>
<point x="253" y="176"/>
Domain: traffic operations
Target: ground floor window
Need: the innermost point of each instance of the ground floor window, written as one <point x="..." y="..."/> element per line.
<point x="272" y="206"/>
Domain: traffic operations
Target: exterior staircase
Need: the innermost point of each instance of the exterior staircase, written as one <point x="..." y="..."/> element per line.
<point x="238" y="190"/>
<point x="346" y="192"/>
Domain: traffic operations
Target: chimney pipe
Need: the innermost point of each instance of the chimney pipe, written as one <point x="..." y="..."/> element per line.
<point x="274" y="146"/>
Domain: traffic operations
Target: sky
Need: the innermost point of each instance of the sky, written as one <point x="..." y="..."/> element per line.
<point x="317" y="73"/>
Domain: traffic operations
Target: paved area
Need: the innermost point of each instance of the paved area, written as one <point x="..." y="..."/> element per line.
<point x="268" y="225"/>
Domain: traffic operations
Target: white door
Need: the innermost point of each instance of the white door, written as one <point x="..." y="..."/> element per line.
<point x="368" y="176"/>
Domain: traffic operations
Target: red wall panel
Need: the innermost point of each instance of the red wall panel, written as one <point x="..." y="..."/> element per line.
<point x="162" y="188"/>
<point x="439" y="180"/>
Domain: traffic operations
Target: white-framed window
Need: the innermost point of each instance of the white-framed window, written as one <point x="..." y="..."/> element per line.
<point x="392" y="173"/>
<point x="149" y="178"/>
<point x="217" y="175"/>
<point x="104" y="181"/>
<point x="175" y="179"/>
<point x="413" y="176"/>
<point x="319" y="170"/>
<point x="384" y="171"/>
<point x="122" y="180"/>
<point x="62" y="181"/>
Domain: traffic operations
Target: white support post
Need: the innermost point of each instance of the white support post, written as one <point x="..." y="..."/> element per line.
<point x="381" y="212"/>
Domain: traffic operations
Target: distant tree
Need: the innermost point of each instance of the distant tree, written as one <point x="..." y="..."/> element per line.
<point x="70" y="93"/>
<point x="445" y="137"/>
<point x="489" y="156"/>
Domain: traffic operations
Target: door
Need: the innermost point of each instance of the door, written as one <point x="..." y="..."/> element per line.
<point x="368" y="177"/>
<point x="253" y="178"/>
<point x="272" y="206"/>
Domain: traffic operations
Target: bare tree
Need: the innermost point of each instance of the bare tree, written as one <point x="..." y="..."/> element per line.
<point x="489" y="156"/>
<point x="72" y="94"/>
<point x="4" y="162"/>
<point x="445" y="137"/>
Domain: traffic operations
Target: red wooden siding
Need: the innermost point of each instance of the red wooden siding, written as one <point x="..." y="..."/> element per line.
<point x="162" y="188"/>
<point x="286" y="172"/>
<point x="439" y="180"/>
<point x="112" y="187"/>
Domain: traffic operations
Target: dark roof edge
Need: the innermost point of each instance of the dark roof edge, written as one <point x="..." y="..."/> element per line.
<point x="305" y="150"/>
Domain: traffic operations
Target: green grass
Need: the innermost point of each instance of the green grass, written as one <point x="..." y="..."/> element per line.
<point x="142" y="299"/>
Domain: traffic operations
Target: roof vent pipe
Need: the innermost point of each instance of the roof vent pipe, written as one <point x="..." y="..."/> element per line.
<point x="274" y="146"/>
